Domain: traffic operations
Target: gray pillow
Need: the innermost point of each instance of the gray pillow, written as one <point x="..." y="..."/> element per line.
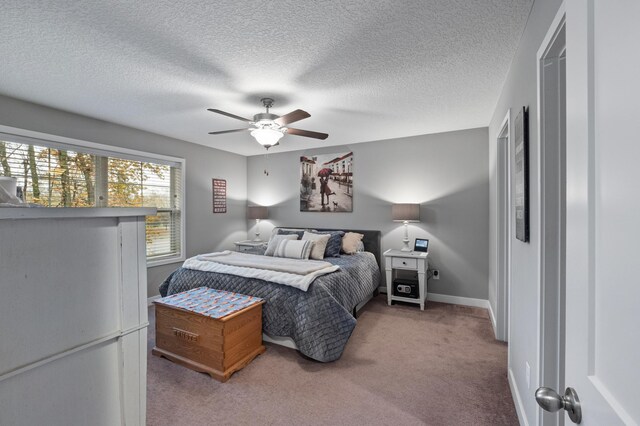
<point x="291" y="232"/>
<point x="335" y="243"/>
<point x="275" y="240"/>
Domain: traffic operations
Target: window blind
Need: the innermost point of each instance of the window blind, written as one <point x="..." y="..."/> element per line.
<point x="58" y="175"/>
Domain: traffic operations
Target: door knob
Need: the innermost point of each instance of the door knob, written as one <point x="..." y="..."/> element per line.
<point x="549" y="400"/>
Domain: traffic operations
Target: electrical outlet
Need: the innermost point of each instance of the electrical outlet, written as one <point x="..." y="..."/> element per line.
<point x="436" y="274"/>
<point x="528" y="374"/>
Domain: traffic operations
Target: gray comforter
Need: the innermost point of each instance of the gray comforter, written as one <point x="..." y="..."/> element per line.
<point x="319" y="321"/>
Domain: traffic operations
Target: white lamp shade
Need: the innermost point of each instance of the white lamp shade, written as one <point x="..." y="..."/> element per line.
<point x="257" y="212"/>
<point x="266" y="137"/>
<point x="405" y="212"/>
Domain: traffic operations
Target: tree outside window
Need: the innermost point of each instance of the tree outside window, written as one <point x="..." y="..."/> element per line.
<point x="66" y="178"/>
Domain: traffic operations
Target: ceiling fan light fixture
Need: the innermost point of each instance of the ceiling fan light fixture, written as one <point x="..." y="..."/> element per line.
<point x="266" y="136"/>
<point x="270" y="128"/>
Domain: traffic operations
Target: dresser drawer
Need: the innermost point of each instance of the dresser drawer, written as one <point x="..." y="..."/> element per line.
<point x="404" y="263"/>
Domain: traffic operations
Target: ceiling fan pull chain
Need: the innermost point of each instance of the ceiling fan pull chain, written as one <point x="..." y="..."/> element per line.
<point x="266" y="163"/>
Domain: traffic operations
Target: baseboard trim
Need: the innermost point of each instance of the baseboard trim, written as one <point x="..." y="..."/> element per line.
<point x="517" y="399"/>
<point x="152" y="298"/>
<point x="493" y="321"/>
<point x="458" y="300"/>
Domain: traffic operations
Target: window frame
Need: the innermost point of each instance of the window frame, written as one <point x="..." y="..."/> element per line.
<point x="61" y="142"/>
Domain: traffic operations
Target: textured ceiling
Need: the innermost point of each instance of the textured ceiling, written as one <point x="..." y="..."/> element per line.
<point x="365" y="70"/>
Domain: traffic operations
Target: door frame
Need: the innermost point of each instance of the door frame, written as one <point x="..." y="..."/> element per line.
<point x="552" y="184"/>
<point x="503" y="209"/>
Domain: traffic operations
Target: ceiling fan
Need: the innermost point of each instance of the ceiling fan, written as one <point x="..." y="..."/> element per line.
<point x="269" y="128"/>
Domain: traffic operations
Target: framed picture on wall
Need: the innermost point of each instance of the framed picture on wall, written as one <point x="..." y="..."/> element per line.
<point x="521" y="170"/>
<point x="326" y="183"/>
<point x="219" y="195"/>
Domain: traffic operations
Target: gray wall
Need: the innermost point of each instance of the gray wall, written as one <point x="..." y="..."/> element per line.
<point x="446" y="173"/>
<point x="205" y="232"/>
<point x="520" y="90"/>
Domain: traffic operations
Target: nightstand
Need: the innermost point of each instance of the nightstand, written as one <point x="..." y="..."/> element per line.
<point x="251" y="247"/>
<point x="397" y="260"/>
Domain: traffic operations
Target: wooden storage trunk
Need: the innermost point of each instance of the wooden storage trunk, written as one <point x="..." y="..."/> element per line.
<point x="217" y="346"/>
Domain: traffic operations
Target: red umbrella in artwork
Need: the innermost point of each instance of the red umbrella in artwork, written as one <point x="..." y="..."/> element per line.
<point x="325" y="172"/>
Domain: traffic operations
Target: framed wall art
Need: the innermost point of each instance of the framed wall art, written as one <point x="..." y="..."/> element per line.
<point x="326" y="183"/>
<point x="521" y="170"/>
<point x="219" y="195"/>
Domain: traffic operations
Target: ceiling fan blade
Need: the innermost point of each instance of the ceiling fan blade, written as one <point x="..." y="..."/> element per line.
<point x="228" y="131"/>
<point x="228" y="114"/>
<point x="307" y="133"/>
<point x="292" y="117"/>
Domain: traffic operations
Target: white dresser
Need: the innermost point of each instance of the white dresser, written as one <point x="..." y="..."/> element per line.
<point x="73" y="316"/>
<point x="398" y="260"/>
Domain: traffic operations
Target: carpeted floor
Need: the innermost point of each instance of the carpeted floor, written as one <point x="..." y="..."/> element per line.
<point x="441" y="366"/>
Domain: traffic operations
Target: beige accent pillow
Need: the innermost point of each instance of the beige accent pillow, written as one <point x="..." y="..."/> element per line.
<point x="319" y="246"/>
<point x="350" y="242"/>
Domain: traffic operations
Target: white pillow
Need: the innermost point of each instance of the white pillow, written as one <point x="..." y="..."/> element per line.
<point x="275" y="240"/>
<point x="320" y="244"/>
<point x="350" y="242"/>
<point x="294" y="249"/>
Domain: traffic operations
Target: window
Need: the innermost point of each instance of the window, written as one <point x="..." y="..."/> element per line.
<point x="64" y="175"/>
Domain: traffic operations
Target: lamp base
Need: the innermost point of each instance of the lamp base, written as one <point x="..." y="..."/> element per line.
<point x="405" y="240"/>
<point x="257" y="238"/>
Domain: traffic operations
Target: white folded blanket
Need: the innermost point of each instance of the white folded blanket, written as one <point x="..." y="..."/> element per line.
<point x="292" y="272"/>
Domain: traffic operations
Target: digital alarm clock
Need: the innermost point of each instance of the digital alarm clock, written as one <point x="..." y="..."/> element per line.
<point x="421" y="245"/>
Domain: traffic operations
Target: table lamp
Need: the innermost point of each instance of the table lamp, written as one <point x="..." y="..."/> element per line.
<point x="405" y="213"/>
<point x="257" y="213"/>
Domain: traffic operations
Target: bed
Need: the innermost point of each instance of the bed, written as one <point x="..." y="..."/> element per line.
<point x="317" y="322"/>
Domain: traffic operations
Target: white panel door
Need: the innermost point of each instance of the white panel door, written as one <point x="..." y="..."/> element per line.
<point x="603" y="209"/>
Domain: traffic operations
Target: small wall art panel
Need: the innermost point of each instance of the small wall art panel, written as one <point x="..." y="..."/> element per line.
<point x="521" y="145"/>
<point x="219" y="195"/>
